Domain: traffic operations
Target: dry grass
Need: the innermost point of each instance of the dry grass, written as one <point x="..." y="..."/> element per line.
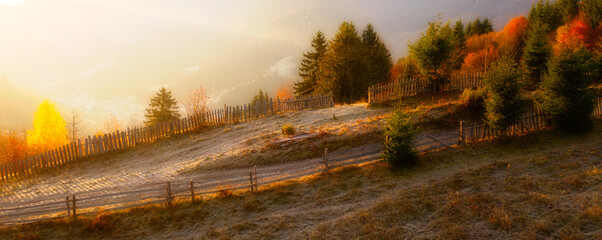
<point x="545" y="185"/>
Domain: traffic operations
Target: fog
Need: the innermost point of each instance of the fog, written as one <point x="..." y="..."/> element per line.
<point x="108" y="57"/>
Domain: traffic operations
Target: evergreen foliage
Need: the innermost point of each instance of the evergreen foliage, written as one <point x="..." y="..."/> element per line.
<point x="260" y="98"/>
<point x="546" y="13"/>
<point x="565" y="90"/>
<point x="309" y="69"/>
<point x="399" y="135"/>
<point x="568" y="9"/>
<point x="378" y="56"/>
<point x="162" y="108"/>
<point x="479" y="27"/>
<point x="504" y="103"/>
<point x="592" y="9"/>
<point x="432" y="53"/>
<point x="536" y="54"/>
<point x="344" y="66"/>
<point x="459" y="43"/>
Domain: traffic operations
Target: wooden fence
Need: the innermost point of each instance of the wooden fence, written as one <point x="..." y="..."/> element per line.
<point x="88" y="203"/>
<point x="119" y="140"/>
<point x="406" y="87"/>
<point x="531" y="121"/>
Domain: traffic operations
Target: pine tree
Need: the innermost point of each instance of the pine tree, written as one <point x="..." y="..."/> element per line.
<point x="378" y="59"/>
<point x="309" y="69"/>
<point x="567" y="9"/>
<point x="260" y="98"/>
<point x="433" y="54"/>
<point x="479" y="27"/>
<point x="399" y="135"/>
<point x="162" y="108"/>
<point x="536" y="54"/>
<point x="592" y="9"/>
<point x="343" y="69"/>
<point x="503" y="104"/>
<point x="565" y="90"/>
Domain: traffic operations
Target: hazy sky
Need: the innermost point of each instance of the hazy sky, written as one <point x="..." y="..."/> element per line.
<point x="105" y="57"/>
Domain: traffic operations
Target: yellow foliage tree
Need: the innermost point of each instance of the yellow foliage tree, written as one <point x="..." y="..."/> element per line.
<point x="49" y="128"/>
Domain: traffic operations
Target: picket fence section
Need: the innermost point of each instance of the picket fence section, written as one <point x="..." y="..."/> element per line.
<point x="406" y="87"/>
<point x="119" y="140"/>
<point x="532" y="121"/>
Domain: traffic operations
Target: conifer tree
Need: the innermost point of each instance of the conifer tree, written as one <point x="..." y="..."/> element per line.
<point x="260" y="98"/>
<point x="343" y="69"/>
<point x="503" y="104"/>
<point x="309" y="69"/>
<point x="432" y="53"/>
<point x="567" y="9"/>
<point x="162" y="108"/>
<point x="566" y="94"/>
<point x="592" y="9"/>
<point x="546" y="13"/>
<point x="378" y="57"/>
<point x="459" y="43"/>
<point x="536" y="54"/>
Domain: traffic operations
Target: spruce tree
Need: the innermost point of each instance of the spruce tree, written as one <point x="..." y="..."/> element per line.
<point x="503" y="104"/>
<point x="309" y="69"/>
<point x="378" y="57"/>
<point x="565" y="90"/>
<point x="459" y="43"/>
<point x="162" y="108"/>
<point x="343" y="69"/>
<point x="536" y="54"/>
<point x="260" y="98"/>
<point x="567" y="9"/>
<point x="399" y="136"/>
<point x="546" y="13"/>
<point x="592" y="9"/>
<point x="432" y="53"/>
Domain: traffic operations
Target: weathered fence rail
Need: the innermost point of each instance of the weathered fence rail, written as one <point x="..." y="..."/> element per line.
<point x="530" y="121"/>
<point x="119" y="140"/>
<point x="406" y="87"/>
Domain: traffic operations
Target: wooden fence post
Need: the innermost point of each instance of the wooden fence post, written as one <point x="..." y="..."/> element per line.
<point x="251" y="181"/>
<point x="74" y="209"/>
<point x="325" y="161"/>
<point x="461" y="134"/>
<point x="169" y="197"/>
<point x="191" y="190"/>
<point x="68" y="208"/>
<point x="255" y="173"/>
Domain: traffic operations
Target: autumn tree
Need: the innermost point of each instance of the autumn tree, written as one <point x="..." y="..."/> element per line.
<point x="566" y="95"/>
<point x="378" y="56"/>
<point x="49" y="130"/>
<point x="112" y="124"/>
<point x="536" y="55"/>
<point x="433" y="54"/>
<point x="512" y="37"/>
<point x="285" y="91"/>
<point x="479" y="62"/>
<point x="310" y="68"/>
<point x="573" y="36"/>
<point x="12" y="147"/>
<point x="405" y="68"/>
<point x="503" y="104"/>
<point x="162" y="108"/>
<point x="480" y="42"/>
<point x="343" y="69"/>
<point x="196" y="102"/>
<point x="592" y="9"/>
<point x="74" y="124"/>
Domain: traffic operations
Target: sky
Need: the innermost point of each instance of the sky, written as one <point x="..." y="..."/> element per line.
<point x="108" y="57"/>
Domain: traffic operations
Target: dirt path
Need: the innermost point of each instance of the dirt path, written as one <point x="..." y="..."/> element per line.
<point x="149" y="167"/>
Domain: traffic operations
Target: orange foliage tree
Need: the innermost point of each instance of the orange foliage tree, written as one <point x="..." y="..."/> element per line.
<point x="49" y="128"/>
<point x="477" y="62"/>
<point x="12" y="147"/>
<point x="285" y="91"/>
<point x="511" y="38"/>
<point x="574" y="35"/>
<point x="477" y="43"/>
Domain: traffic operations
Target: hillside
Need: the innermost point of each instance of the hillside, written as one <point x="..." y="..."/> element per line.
<point x="16" y="106"/>
<point x="545" y="185"/>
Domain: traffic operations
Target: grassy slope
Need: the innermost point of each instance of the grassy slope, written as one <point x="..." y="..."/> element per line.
<point x="544" y="185"/>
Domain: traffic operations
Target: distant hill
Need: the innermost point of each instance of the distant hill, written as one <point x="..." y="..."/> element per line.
<point x="16" y="106"/>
